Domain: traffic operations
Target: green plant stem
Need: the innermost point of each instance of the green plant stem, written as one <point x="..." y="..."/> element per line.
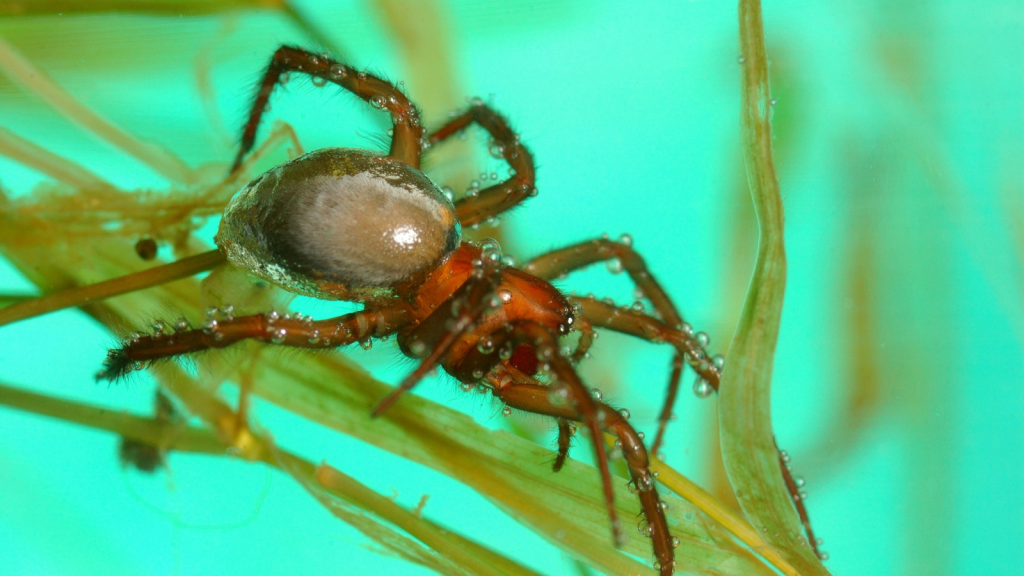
<point x="748" y="446"/>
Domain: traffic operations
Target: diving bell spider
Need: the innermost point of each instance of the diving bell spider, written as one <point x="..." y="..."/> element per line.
<point x="354" y="225"/>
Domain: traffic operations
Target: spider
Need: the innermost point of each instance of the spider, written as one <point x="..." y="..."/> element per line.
<point x="355" y="225"/>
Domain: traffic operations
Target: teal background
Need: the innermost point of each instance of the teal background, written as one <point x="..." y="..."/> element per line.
<point x="898" y="126"/>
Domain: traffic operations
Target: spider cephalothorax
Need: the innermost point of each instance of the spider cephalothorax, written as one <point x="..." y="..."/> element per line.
<point x="355" y="225"/>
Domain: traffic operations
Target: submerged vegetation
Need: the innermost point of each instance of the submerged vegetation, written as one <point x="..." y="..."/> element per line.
<point x="86" y="196"/>
<point x="79" y="218"/>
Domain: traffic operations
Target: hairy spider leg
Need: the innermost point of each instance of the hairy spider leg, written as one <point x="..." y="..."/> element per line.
<point x="565" y="434"/>
<point x="272" y="328"/>
<point x="567" y="398"/>
<point x="651" y="329"/>
<point x="379" y="93"/>
<point x="566" y="384"/>
<point x="552" y="264"/>
<point x="506" y="194"/>
<point x="443" y="328"/>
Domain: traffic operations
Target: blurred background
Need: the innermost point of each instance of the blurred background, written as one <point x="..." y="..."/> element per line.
<point x="899" y="138"/>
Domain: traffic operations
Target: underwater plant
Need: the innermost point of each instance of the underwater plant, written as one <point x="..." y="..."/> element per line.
<point x="50" y="234"/>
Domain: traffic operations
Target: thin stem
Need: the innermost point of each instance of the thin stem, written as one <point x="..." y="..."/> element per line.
<point x="85" y="294"/>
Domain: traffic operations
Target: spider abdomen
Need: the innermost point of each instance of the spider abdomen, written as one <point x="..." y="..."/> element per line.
<point x="339" y="223"/>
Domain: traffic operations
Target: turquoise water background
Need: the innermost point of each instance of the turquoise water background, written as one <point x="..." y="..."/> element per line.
<point x="898" y="379"/>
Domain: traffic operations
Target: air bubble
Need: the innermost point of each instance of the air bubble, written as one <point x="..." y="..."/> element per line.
<point x="644" y="483"/>
<point x="338" y="72"/>
<point x="506" y="411"/>
<point x="637" y="307"/>
<point x="278" y="336"/>
<point x="490" y="250"/>
<point x="209" y="326"/>
<point x="319" y="81"/>
<point x="314" y="337"/>
<point x="626" y="240"/>
<point x="702" y="388"/>
<point x="448" y="193"/>
<point x="159" y="327"/>
<point x="134" y="337"/>
<point x="702" y="338"/>
<point x="378" y="102"/>
<point x="676" y="542"/>
<point x="577" y="307"/>
<point x="614" y="266"/>
<point x="643" y="527"/>
<point x="741" y="59"/>
<point x="212" y="312"/>
<point x="558" y="395"/>
<point x="272" y="316"/>
<point x="640" y="435"/>
<point x="596" y="394"/>
<point x="478" y="374"/>
<point x="685" y="328"/>
<point x="505" y="353"/>
<point x="719" y="361"/>
<point x="785" y="456"/>
<point x="366" y="344"/>
<point x="509" y="260"/>
<point x="485" y="346"/>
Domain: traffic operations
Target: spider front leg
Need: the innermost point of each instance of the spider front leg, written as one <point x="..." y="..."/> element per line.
<point x="506" y="194"/>
<point x="557" y="262"/>
<point x="172" y="341"/>
<point x="381" y="94"/>
<point x="567" y="398"/>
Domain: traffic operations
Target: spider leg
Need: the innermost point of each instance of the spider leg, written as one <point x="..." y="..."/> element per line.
<point x="557" y="262"/>
<point x="381" y="94"/>
<point x="439" y="332"/>
<point x="271" y="328"/>
<point x="567" y="398"/>
<point x="567" y="386"/>
<point x="565" y="433"/>
<point x="506" y="194"/>
<point x="651" y="329"/>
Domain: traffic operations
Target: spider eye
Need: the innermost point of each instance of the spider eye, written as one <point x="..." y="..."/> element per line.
<point x="341" y="217"/>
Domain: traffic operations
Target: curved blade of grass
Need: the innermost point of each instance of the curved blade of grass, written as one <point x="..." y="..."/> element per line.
<point x="720" y="513"/>
<point x="748" y="446"/>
